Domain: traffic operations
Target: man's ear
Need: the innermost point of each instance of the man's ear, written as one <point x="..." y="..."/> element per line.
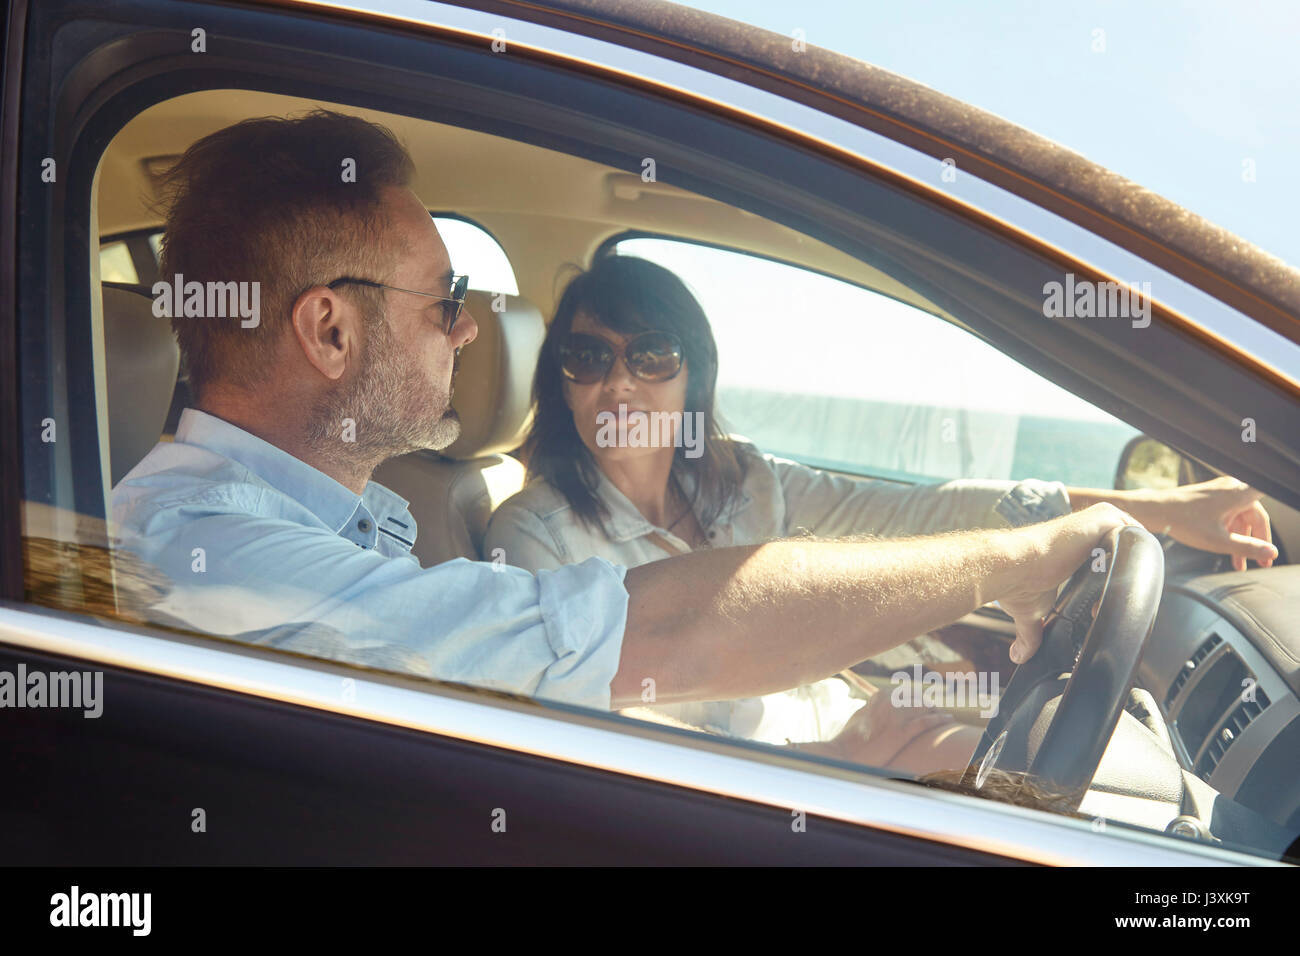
<point x="325" y="326"/>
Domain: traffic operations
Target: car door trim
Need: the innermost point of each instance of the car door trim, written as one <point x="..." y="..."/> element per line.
<point x="619" y="745"/>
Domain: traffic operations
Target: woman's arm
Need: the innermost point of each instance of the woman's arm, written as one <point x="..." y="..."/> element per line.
<point x="832" y="505"/>
<point x="1223" y="516"/>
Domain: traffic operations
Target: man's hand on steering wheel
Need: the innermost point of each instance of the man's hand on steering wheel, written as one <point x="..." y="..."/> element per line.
<point x="1062" y="545"/>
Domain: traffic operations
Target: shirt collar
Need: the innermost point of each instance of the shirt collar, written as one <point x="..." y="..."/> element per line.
<point x="335" y="505"/>
<point x="625" y="522"/>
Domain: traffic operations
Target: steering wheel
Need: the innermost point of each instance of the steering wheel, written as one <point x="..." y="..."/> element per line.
<point x="1059" y="736"/>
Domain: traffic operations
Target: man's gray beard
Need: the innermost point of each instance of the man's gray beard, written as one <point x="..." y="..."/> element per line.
<point x="392" y="415"/>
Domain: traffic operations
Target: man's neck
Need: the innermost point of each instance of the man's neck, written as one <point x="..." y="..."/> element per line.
<point x="281" y="432"/>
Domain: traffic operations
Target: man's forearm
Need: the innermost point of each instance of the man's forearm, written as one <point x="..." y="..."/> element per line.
<point x="741" y="622"/>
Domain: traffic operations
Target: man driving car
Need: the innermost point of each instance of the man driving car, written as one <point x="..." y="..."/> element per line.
<point x="263" y="515"/>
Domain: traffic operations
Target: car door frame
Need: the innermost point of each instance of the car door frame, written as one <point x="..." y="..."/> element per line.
<point x="870" y="805"/>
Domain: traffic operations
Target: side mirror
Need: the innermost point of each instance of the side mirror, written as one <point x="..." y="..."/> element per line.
<point x="1147" y="463"/>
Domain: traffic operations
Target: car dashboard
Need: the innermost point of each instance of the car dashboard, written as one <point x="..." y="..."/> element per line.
<point x="1223" y="664"/>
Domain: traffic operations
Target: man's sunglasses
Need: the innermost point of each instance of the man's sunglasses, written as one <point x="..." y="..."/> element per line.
<point x="650" y="356"/>
<point x="452" y="304"/>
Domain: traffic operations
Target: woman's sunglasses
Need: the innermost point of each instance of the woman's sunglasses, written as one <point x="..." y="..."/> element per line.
<point x="650" y="356"/>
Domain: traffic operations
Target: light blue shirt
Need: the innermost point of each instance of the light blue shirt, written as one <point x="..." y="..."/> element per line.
<point x="261" y="546"/>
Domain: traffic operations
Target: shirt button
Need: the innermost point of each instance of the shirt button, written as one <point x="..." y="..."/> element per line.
<point x="363" y="526"/>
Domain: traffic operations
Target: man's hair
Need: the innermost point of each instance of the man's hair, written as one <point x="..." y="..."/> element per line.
<point x="269" y="200"/>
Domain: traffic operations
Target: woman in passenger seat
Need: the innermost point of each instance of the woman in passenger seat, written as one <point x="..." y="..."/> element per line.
<point x="627" y="461"/>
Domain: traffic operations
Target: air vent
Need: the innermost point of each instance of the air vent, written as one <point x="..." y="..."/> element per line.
<point x="1185" y="673"/>
<point x="1227" y="733"/>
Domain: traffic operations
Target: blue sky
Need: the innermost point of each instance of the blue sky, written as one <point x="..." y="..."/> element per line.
<point x="1182" y="96"/>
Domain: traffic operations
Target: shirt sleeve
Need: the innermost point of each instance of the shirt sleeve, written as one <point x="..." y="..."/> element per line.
<point x="557" y="634"/>
<point x="831" y="505"/>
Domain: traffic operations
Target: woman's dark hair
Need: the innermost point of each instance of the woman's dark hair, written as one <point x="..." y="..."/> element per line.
<point x="630" y="295"/>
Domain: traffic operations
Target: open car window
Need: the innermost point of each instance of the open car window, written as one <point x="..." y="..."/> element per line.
<point x="816" y="369"/>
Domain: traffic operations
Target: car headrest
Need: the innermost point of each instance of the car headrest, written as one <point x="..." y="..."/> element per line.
<point x="141" y="362"/>
<point x="493" y="393"/>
